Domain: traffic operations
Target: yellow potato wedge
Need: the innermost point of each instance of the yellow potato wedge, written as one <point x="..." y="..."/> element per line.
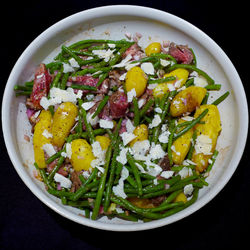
<point x="207" y="135"/>
<point x="187" y="100"/>
<point x="63" y="121"/>
<point x="82" y="155"/>
<point x="44" y="123"/>
<point x="181" y="146"/>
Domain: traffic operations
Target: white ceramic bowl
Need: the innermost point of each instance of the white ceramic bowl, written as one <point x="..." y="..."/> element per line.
<point x="112" y="22"/>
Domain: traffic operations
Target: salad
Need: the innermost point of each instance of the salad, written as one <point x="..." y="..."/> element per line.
<point x="122" y="131"/>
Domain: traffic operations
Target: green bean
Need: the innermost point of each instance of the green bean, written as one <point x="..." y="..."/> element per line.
<point x="194" y="57"/>
<point x="102" y="184"/>
<point x="44" y="176"/>
<point x="136" y="112"/>
<point x="193" y="68"/>
<point x="76" y="57"/>
<point x="78" y="203"/>
<point x="92" y="70"/>
<point x="87" y="213"/>
<point x="64" y="80"/>
<point x="118" y="56"/>
<point x="189" y="82"/>
<point x="191" y="150"/>
<point x="164" y="207"/>
<point x="56" y="80"/>
<point x="135" y="172"/>
<point x="192" y="124"/>
<point x="146" y="107"/>
<point x="111" y="177"/>
<point x="55" y="169"/>
<point x="170" y="141"/>
<point x="23" y="93"/>
<point x="87" y="125"/>
<point x="162" y="80"/>
<point x="29" y="84"/>
<point x="215" y="154"/>
<point x="53" y="157"/>
<point x="171" y="197"/>
<point x="205" y="99"/>
<point x="56" y="65"/>
<point x="102" y="78"/>
<point x="213" y="87"/>
<point x="100" y="106"/>
<point x="221" y="98"/>
<point x="83" y="87"/>
<point x="83" y="189"/>
<point x="24" y="88"/>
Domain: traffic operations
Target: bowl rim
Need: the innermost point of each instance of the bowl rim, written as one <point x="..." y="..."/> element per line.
<point x="136" y="11"/>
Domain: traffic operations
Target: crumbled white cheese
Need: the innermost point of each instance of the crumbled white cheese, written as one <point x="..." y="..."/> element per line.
<point x="203" y="145"/>
<point x="200" y="81"/>
<point x="127" y="137"/>
<point x="163" y="137"/>
<point x="152" y="86"/>
<point x="129" y="126"/>
<point x="142" y="170"/>
<point x="67" y="68"/>
<point x="174" y="150"/>
<point x="111" y="45"/>
<point x="131" y="94"/>
<point x="104" y="54"/>
<point x="188" y="189"/>
<point x="158" y="110"/>
<point x="155" y="122"/>
<point x="124" y="62"/>
<point x="90" y="97"/>
<point x="119" y="189"/>
<point x="97" y="150"/>
<point x="210" y="161"/>
<point x="187" y="118"/>
<point x="88" y="105"/>
<point x="141" y="102"/>
<point x="119" y="210"/>
<point x="182" y="88"/>
<point x="164" y="63"/>
<point x="177" y="84"/>
<point x="188" y="162"/>
<point x="148" y="68"/>
<point x="167" y="174"/>
<point x="122" y="157"/>
<point x="92" y="121"/>
<point x="171" y="87"/>
<point x="131" y="65"/>
<point x="46" y="134"/>
<point x="74" y="63"/>
<point x="37" y="114"/>
<point x="64" y="182"/>
<point x="106" y="123"/>
<point x="40" y="76"/>
<point x="184" y="172"/>
<point x="49" y="149"/>
<point x="153" y="169"/>
<point x="58" y="96"/>
<point x="63" y="154"/>
<point x="156" y="152"/>
<point x="140" y="148"/>
<point x="123" y="77"/>
<point x="86" y="174"/>
<point x="68" y="150"/>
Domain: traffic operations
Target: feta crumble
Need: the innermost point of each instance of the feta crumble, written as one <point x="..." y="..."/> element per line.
<point x="64" y="182"/>
<point x="127" y="137"/>
<point x="155" y="122"/>
<point x="106" y="123"/>
<point x="131" y="94"/>
<point x="203" y="145"/>
<point x="88" y="105"/>
<point x="119" y="189"/>
<point x="188" y="189"/>
<point x="49" y="149"/>
<point x="148" y="68"/>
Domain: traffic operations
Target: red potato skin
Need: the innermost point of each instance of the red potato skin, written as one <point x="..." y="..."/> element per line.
<point x="41" y="86"/>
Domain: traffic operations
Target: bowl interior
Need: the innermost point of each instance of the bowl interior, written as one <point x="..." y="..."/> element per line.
<point x="113" y="23"/>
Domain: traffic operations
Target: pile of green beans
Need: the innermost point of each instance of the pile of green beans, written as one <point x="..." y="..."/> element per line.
<point x="95" y="195"/>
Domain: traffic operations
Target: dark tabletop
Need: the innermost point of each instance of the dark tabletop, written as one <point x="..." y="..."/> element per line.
<point x="26" y="223"/>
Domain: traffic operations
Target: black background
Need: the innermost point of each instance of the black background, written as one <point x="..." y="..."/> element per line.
<point x="26" y="223"/>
